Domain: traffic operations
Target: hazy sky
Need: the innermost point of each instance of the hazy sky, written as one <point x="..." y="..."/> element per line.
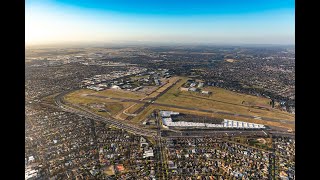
<point x="182" y="21"/>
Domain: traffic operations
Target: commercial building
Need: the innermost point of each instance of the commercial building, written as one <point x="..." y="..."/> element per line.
<point x="226" y="123"/>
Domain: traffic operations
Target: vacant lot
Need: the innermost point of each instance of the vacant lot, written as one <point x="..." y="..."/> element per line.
<point x="109" y="170"/>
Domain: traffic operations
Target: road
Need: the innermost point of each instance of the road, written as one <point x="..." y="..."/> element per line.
<point x="162" y="164"/>
<point x="216" y="133"/>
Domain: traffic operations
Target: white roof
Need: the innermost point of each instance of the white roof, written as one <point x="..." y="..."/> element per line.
<point x="115" y="87"/>
<point x="31" y="158"/>
<point x="226" y="123"/>
<point x="167" y="113"/>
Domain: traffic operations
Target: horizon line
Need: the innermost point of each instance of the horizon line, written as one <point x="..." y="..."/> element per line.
<point x="152" y="43"/>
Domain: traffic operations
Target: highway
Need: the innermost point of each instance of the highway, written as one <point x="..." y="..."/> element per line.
<point x="216" y="133"/>
<point x="162" y="165"/>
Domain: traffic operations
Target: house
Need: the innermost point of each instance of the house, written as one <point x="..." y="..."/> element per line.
<point x="120" y="167"/>
<point x="157" y="82"/>
<point x="193" y="84"/>
<point x="206" y="92"/>
<point x="31" y="159"/>
<point x="31" y="173"/>
<point x="190" y="81"/>
<point x="137" y="88"/>
<point x="200" y="85"/>
<point x="143" y="142"/>
<point x="126" y="86"/>
<point x="95" y="88"/>
<point x="103" y="85"/>
<point x="94" y="172"/>
<point x="115" y="87"/>
<point x="193" y="89"/>
<point x="148" y="153"/>
<point x="172" y="165"/>
<point x="184" y="89"/>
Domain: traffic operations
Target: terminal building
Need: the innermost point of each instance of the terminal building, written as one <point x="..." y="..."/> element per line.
<point x="232" y="124"/>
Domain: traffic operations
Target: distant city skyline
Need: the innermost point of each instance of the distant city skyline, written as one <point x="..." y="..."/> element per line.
<point x="141" y="21"/>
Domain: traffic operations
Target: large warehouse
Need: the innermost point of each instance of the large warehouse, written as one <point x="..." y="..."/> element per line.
<point x="167" y="122"/>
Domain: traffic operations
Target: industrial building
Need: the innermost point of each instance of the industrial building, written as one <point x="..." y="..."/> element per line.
<point x="227" y="123"/>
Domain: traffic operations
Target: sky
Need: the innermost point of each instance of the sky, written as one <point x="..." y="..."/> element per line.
<point x="163" y="21"/>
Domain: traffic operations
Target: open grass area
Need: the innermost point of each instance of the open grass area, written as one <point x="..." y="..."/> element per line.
<point x="112" y="106"/>
<point x="86" y="100"/>
<point x="115" y="93"/>
<point x="79" y="96"/>
<point x="223" y="100"/>
<point x="105" y="114"/>
<point x="234" y="97"/>
<point x="109" y="170"/>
